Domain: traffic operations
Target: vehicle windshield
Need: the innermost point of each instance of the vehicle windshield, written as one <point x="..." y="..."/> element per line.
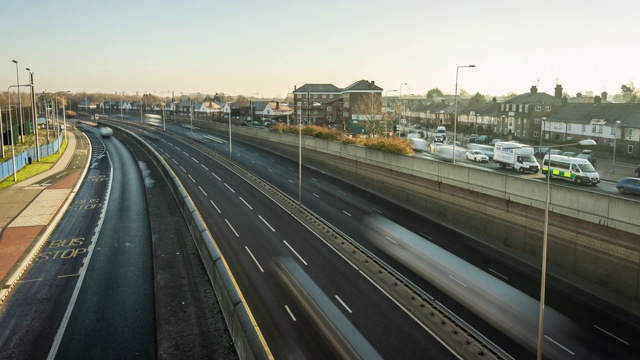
<point x="586" y="168"/>
<point x="528" y="158"/>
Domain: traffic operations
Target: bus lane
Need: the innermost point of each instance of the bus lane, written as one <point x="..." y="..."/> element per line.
<point x="32" y="313"/>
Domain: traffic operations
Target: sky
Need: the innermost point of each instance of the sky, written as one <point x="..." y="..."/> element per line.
<point x="267" y="48"/>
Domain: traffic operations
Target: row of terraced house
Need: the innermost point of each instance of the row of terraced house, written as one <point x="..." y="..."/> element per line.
<point x="531" y="117"/>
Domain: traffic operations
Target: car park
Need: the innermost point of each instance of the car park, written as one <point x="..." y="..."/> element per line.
<point x="629" y="185"/>
<point x="477" y="155"/>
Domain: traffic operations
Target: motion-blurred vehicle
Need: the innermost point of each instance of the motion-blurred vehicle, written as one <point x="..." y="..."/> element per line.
<point x="638" y="171"/>
<point x="477" y="156"/>
<point x="629" y="185"/>
<point x="105" y="131"/>
<point x="483" y="139"/>
<point x="473" y="138"/>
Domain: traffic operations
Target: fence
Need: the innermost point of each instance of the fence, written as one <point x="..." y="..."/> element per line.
<point x="28" y="156"/>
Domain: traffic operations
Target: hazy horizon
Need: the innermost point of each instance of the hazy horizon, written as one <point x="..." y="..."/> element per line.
<point x="252" y="47"/>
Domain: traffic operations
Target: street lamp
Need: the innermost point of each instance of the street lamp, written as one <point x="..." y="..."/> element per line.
<point x="190" y="110"/>
<point x="615" y="140"/>
<point x="20" y="128"/>
<point x="13" y="153"/>
<point x="586" y="142"/>
<point x="251" y="107"/>
<point x="121" y="106"/>
<point x="34" y="115"/>
<point x="455" y="116"/>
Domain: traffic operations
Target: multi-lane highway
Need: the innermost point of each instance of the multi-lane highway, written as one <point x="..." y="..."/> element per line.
<point x="344" y="206"/>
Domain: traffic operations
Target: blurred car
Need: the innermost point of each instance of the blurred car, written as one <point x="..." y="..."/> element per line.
<point x="483" y="139"/>
<point x="588" y="154"/>
<point x="494" y="141"/>
<point x="438" y="139"/>
<point x="638" y="171"/>
<point x="569" y="153"/>
<point x="477" y="155"/>
<point x="556" y="152"/>
<point x="473" y="138"/>
<point x="629" y="185"/>
<point x="105" y="131"/>
<point x="256" y="123"/>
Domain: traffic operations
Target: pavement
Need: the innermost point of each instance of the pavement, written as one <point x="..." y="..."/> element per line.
<point x="31" y="209"/>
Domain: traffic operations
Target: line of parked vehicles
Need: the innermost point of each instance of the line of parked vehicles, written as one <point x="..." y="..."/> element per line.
<point x="579" y="168"/>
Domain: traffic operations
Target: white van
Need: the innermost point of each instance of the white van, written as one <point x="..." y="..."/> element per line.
<point x="441" y="130"/>
<point x="573" y="169"/>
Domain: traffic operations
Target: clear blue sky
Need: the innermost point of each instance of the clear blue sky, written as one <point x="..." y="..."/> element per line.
<point x="268" y="47"/>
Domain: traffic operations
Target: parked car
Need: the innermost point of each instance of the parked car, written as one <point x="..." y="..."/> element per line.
<point x="569" y="154"/>
<point x="483" y="139"/>
<point x="438" y="139"/>
<point x="638" y="171"/>
<point x="477" y="155"/>
<point x="629" y="185"/>
<point x="588" y="154"/>
<point x="473" y="138"/>
<point x="540" y="151"/>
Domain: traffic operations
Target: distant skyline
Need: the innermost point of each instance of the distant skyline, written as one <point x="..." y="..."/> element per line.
<point x="247" y="47"/>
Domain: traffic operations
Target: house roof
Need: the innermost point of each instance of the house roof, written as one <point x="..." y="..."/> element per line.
<point x="627" y="114"/>
<point x="322" y="88"/>
<point x="534" y="98"/>
<point x="362" y="85"/>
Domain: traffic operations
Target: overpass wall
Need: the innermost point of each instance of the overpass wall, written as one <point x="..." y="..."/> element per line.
<point x="592" y="235"/>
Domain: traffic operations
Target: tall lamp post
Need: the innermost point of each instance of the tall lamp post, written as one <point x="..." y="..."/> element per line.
<point x="20" y="127"/>
<point x="455" y="116"/>
<point x="34" y="115"/>
<point x="586" y="142"/>
<point x="615" y="140"/>
<point x="403" y="101"/>
<point x="190" y="110"/>
<point x="13" y="152"/>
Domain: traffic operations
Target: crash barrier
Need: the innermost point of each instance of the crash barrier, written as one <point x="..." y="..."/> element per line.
<point x="243" y="330"/>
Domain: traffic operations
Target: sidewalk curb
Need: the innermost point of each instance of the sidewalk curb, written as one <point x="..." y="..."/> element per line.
<point x="44" y="235"/>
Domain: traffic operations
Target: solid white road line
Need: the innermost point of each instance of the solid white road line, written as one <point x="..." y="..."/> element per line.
<point x="254" y="259"/>
<point x="231" y="227"/>
<point x="295" y="252"/>
<point x="343" y="304"/>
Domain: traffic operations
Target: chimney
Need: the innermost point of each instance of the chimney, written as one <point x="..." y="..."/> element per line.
<point x="373" y="82"/>
<point x="277" y="104"/>
<point x="558" y="91"/>
<point x="534" y="89"/>
<point x="604" y="96"/>
<point x="596" y="99"/>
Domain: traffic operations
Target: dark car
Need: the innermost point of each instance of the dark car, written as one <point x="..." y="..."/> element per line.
<point x="540" y="151"/>
<point x="629" y="185"/>
<point x="638" y="171"/>
<point x="588" y="154"/>
<point x="483" y="139"/>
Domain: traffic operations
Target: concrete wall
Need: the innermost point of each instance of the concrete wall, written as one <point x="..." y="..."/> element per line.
<point x="594" y="236"/>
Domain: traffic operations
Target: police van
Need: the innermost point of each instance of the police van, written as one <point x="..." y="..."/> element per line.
<point x="573" y="169"/>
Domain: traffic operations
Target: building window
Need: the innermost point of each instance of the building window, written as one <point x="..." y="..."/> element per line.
<point x="629" y="133"/>
<point x="613" y="130"/>
<point x="324" y="96"/>
<point x="315" y="112"/>
<point x="315" y="96"/>
<point x="547" y="108"/>
<point x="330" y="96"/>
<point x="299" y="103"/>
<point x="629" y="149"/>
<point x="526" y="108"/>
<point x="525" y="121"/>
<point x="328" y="108"/>
<point x="596" y="129"/>
<point x="584" y="128"/>
<point x="568" y="126"/>
<point x="524" y="133"/>
<point x="536" y="134"/>
<point x="520" y="108"/>
<point x="536" y="121"/>
<point x="501" y="107"/>
<point x="538" y="108"/>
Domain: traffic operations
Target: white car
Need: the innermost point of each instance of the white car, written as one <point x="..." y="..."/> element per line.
<point x="477" y="155"/>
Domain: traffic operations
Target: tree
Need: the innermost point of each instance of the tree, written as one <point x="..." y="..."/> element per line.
<point x="510" y="95"/>
<point x="477" y="99"/>
<point x="242" y="101"/>
<point x="435" y="94"/>
<point x="629" y="93"/>
<point x="369" y="109"/>
<point x="463" y="93"/>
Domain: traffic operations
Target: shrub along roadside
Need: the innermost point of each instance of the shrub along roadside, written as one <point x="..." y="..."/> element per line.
<point x="392" y="144"/>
